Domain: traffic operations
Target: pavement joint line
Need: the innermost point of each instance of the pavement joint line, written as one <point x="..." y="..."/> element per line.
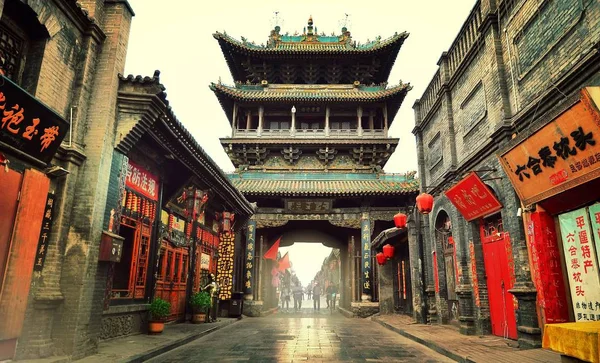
<point x="428" y="343"/>
<point x="142" y="357"/>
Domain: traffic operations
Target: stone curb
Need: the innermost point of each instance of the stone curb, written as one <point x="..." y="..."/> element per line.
<point x="173" y="345"/>
<point x="428" y="343"/>
<point x="346" y="313"/>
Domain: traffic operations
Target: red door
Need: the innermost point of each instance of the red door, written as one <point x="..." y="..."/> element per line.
<point x="499" y="273"/>
<point x="11" y="184"/>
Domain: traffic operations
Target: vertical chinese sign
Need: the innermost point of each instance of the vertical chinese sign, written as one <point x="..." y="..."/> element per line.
<point x="546" y="271"/>
<point x="225" y="265"/>
<point x="475" y="283"/>
<point x="582" y="266"/>
<point x="365" y="227"/>
<point x="42" y="248"/>
<point x="250" y="249"/>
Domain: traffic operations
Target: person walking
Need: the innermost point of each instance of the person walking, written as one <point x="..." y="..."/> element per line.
<point x="285" y="298"/>
<point x="328" y="292"/>
<point x="309" y="291"/>
<point x="298" y="296"/>
<point x="316" y="292"/>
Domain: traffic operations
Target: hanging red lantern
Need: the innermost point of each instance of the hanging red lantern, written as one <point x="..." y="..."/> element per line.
<point x="380" y="258"/>
<point x="425" y="203"/>
<point x="400" y="220"/>
<point x="388" y="251"/>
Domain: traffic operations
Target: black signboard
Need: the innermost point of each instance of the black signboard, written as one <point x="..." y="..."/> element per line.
<point x="28" y="125"/>
<point x="42" y="248"/>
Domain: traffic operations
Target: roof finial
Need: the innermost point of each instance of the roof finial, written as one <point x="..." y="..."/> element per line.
<point x="310" y="26"/>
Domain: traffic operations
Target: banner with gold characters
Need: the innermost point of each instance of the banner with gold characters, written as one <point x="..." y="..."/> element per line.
<point x="225" y="264"/>
<point x="250" y="248"/>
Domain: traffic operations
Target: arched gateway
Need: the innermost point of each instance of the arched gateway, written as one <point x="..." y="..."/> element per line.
<point x="310" y="116"/>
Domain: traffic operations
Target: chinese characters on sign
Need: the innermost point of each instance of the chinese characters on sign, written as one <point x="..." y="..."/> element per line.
<point x="546" y="271"/>
<point x="582" y="266"/>
<point x="307" y="206"/>
<point x="250" y="251"/>
<point x="42" y="248"/>
<point x="28" y="125"/>
<point x="475" y="280"/>
<point x="472" y="198"/>
<point x="563" y="154"/>
<point x="225" y="265"/>
<point x="365" y="243"/>
<point x="140" y="180"/>
<point x="204" y="261"/>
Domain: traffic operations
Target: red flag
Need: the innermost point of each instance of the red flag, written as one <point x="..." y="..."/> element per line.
<point x="272" y="252"/>
<point x="284" y="263"/>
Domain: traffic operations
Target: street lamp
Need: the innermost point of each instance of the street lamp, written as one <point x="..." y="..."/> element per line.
<point x="293" y="109"/>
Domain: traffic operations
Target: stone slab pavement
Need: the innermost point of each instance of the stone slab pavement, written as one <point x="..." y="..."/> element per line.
<point x="448" y="341"/>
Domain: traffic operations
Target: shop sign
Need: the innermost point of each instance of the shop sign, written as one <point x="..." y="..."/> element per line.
<point x="43" y="241"/>
<point x="474" y="280"/>
<point x="204" y="261"/>
<point x="141" y="181"/>
<point x="561" y="155"/>
<point x="308" y="206"/>
<point x="365" y="227"/>
<point x="472" y="198"/>
<point x="225" y="265"/>
<point x="28" y="125"/>
<point x="581" y="263"/>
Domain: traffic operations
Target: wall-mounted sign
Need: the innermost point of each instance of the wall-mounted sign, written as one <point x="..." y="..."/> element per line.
<point x="581" y="263"/>
<point x="225" y="265"/>
<point x="307" y="206"/>
<point x="28" y="125"/>
<point x="44" y="240"/>
<point x="140" y="180"/>
<point x="250" y="252"/>
<point x="365" y="246"/>
<point x="561" y="155"/>
<point x="472" y="198"/>
<point x="204" y="261"/>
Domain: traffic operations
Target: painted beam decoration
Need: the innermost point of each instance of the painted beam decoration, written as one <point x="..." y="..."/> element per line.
<point x="365" y="242"/>
<point x="561" y="155"/>
<point x="581" y="263"/>
<point x="472" y="198"/>
<point x="250" y="251"/>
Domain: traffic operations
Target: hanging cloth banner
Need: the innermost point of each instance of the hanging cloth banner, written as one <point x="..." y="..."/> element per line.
<point x="284" y="263"/>
<point x="272" y="252"/>
<point x="582" y="266"/>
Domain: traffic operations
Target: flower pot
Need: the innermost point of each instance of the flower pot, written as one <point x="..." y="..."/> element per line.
<point x="198" y="318"/>
<point x="156" y="327"/>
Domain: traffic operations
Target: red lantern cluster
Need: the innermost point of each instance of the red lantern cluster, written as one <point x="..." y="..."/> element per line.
<point x="424" y="203"/>
<point x="400" y="220"/>
<point x="380" y="258"/>
<point x="388" y="252"/>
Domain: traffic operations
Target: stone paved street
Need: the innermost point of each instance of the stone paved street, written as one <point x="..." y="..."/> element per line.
<point x="306" y="336"/>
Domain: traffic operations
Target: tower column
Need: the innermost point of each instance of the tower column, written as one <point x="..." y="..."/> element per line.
<point x="385" y="121"/>
<point x="261" y="115"/>
<point x="248" y="118"/>
<point x="293" y="128"/>
<point x="327" y="121"/>
<point x="234" y="120"/>
<point x="371" y="120"/>
<point x="359" y="113"/>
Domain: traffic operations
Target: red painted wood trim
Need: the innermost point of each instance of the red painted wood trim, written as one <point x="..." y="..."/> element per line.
<point x="28" y="224"/>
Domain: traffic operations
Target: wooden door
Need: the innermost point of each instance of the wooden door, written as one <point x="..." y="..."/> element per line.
<point x="11" y="185"/>
<point x="402" y="282"/>
<point x="172" y="278"/>
<point x="499" y="280"/>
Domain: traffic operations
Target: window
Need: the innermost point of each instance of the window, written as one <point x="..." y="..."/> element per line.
<point x="11" y="52"/>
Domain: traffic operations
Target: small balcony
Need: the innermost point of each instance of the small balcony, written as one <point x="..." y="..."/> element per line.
<point x="310" y="133"/>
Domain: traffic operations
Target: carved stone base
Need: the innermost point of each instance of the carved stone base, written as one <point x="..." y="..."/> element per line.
<point x="125" y="320"/>
<point x="364" y="309"/>
<point x="252" y="308"/>
<point x="465" y="310"/>
<point x="432" y="317"/>
<point x="529" y="332"/>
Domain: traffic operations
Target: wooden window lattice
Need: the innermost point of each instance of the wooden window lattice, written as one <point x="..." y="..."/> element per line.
<point x="11" y="52"/>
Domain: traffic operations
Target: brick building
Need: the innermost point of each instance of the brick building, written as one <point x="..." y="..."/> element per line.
<point x="514" y="65"/>
<point x="62" y="62"/>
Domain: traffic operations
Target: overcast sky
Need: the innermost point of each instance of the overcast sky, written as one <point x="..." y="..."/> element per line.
<point x="175" y="37"/>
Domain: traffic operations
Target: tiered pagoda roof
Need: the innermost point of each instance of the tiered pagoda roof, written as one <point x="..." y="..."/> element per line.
<point x="370" y="62"/>
<point x="313" y="94"/>
<point x="324" y="184"/>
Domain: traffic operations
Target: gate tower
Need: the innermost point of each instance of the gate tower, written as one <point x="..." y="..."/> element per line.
<point x="310" y="115"/>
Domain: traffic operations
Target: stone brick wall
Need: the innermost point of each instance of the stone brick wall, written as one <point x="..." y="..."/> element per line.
<point x="510" y="63"/>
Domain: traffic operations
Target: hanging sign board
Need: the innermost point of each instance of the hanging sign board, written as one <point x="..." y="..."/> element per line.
<point x="140" y="180"/>
<point x="561" y="155"/>
<point x="28" y="125"/>
<point x="581" y="263"/>
<point x="472" y="198"/>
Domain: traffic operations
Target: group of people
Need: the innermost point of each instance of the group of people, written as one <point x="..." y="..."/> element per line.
<point x="314" y="292"/>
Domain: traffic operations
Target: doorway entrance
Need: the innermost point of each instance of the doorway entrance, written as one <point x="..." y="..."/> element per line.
<point x="499" y="270"/>
<point x="402" y="281"/>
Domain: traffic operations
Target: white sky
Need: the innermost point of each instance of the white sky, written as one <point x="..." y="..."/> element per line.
<point x="175" y="37"/>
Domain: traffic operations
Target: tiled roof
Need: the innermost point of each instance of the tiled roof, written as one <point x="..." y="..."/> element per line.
<point x="324" y="93"/>
<point x="324" y="44"/>
<point x="331" y="187"/>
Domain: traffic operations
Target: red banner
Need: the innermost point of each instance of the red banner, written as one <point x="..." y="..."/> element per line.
<point x="472" y="198"/>
<point x="141" y="181"/>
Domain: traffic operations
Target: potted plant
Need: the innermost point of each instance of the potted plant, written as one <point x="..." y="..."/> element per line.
<point x="159" y="310"/>
<point x="201" y="304"/>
